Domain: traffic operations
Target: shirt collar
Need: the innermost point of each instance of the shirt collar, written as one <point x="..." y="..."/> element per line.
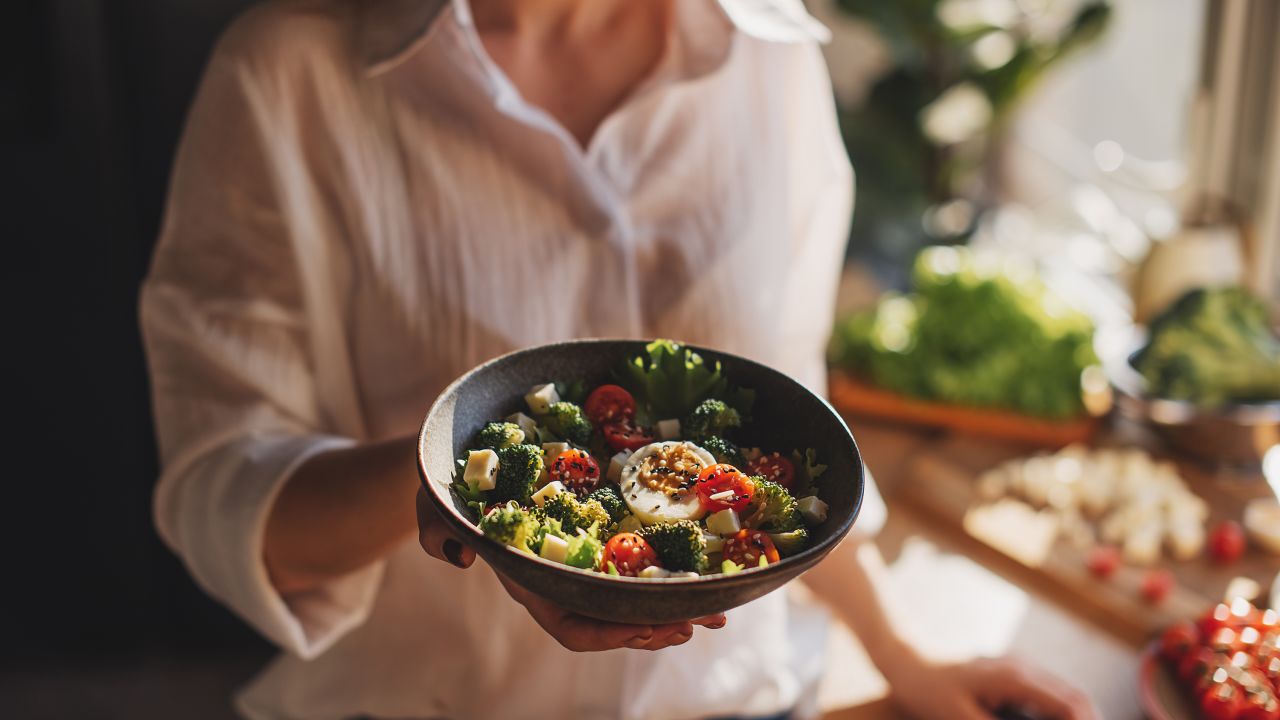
<point x="390" y="30"/>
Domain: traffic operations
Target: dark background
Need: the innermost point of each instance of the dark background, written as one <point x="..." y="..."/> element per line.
<point x="100" y="620"/>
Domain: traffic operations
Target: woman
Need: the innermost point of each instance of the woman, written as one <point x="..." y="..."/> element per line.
<point x="371" y="197"/>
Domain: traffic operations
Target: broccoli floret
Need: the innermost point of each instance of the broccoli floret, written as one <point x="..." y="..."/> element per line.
<point x="511" y="525"/>
<point x="497" y="435"/>
<point x="680" y="545"/>
<point x="519" y="467"/>
<point x="723" y="450"/>
<point x="790" y="543"/>
<point x="575" y="514"/>
<point x="771" y="508"/>
<point x="567" y="421"/>
<point x="711" y="417"/>
<point x="1211" y="347"/>
<point x="610" y="498"/>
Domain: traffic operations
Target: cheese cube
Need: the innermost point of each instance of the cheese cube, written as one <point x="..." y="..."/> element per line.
<point x="668" y="429"/>
<point x="554" y="548"/>
<point x="481" y="472"/>
<point x="552" y="450"/>
<point x="715" y="543"/>
<point x="554" y="487"/>
<point x="541" y="397"/>
<point x="527" y="424"/>
<point x="616" y="463"/>
<point x="812" y="509"/>
<point x="724" y="522"/>
<point x="1185" y="538"/>
<point x="653" y="571"/>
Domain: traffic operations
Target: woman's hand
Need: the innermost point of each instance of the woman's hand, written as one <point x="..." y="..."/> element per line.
<point x="435" y="536"/>
<point x="583" y="634"/>
<point x="575" y="632"/>
<point x="974" y="690"/>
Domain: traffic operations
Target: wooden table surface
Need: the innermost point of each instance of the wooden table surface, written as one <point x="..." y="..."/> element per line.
<point x="1078" y="635"/>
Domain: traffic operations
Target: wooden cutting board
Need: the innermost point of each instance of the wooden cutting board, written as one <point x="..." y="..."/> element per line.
<point x="941" y="484"/>
<point x="853" y="396"/>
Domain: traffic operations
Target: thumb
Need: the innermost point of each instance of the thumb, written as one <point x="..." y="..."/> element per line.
<point x="437" y="539"/>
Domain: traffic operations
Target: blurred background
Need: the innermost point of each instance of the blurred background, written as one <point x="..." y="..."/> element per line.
<point x="1082" y="165"/>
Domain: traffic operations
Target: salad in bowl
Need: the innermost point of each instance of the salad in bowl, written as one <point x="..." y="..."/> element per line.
<point x="614" y="465"/>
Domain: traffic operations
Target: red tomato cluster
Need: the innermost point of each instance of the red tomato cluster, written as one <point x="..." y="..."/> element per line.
<point x="1230" y="660"/>
<point x="612" y="409"/>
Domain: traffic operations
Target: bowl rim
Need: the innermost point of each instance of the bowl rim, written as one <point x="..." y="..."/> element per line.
<point x="454" y="518"/>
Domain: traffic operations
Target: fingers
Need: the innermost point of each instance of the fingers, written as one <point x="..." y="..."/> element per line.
<point x="714" y="622"/>
<point x="583" y="634"/>
<point x="1028" y="686"/>
<point x="436" y="537"/>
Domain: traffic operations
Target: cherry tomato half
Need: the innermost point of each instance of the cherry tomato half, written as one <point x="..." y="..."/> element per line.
<point x="577" y="470"/>
<point x="719" y="479"/>
<point x="608" y="403"/>
<point x="624" y="435"/>
<point x="629" y="553"/>
<point x="748" y="546"/>
<point x="774" y="467"/>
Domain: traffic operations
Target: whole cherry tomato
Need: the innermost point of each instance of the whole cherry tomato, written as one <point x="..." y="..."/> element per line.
<point x="1226" y="542"/>
<point x="608" y="403"/>
<point x="1103" y="561"/>
<point x="1156" y="585"/>
<point x="774" y="467"/>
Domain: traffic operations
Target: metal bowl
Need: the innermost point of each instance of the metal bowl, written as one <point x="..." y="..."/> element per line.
<point x="786" y="414"/>
<point x="1236" y="435"/>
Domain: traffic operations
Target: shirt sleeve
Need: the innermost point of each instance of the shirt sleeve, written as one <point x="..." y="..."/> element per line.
<point x="226" y="332"/>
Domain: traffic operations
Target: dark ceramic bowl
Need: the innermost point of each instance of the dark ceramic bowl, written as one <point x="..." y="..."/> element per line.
<point x="786" y="415"/>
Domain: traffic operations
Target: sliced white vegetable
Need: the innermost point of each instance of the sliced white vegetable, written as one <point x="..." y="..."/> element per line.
<point x="526" y="423"/>
<point x="668" y="429"/>
<point x="481" y="472"/>
<point x="616" y="463"/>
<point x="541" y="398"/>
<point x="812" y="509"/>
<point x="725" y="522"/>
<point x="552" y="488"/>
<point x="554" y="548"/>
<point x="552" y="450"/>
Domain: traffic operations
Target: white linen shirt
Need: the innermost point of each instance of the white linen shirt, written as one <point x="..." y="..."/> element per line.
<point x="362" y="208"/>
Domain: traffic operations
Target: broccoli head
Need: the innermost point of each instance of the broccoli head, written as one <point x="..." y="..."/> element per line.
<point x="610" y="498"/>
<point x="723" y="450"/>
<point x="511" y="525"/>
<point x="771" y="508"/>
<point x="519" y="468"/>
<point x="575" y="514"/>
<point x="790" y="543"/>
<point x="680" y="545"/>
<point x="567" y="421"/>
<point x="498" y="435"/>
<point x="710" y="417"/>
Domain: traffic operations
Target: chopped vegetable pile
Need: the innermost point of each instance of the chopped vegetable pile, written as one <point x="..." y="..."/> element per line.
<point x="1212" y="347"/>
<point x="975" y="332"/>
<point x="641" y="478"/>
<point x="1228" y="660"/>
